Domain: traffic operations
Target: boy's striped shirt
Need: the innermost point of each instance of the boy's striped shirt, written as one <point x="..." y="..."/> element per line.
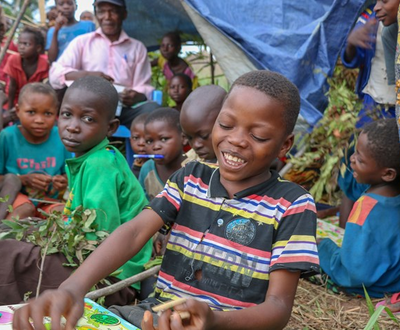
<point x="221" y="250"/>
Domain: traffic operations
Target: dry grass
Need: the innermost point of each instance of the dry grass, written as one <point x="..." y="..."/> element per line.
<point x="316" y="308"/>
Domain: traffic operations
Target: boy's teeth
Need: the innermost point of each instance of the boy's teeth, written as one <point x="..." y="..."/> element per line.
<point x="233" y="159"/>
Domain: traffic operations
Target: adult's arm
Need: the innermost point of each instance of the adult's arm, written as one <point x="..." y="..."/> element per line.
<point x="141" y="80"/>
<point x="69" y="61"/>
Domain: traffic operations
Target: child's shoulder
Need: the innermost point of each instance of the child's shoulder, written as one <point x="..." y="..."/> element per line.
<point x="289" y="190"/>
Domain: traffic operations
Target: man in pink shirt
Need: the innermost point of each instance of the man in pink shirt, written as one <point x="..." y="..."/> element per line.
<point x="110" y="53"/>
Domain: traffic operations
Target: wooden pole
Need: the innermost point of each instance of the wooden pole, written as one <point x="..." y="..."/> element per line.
<point x="212" y="67"/>
<point x="13" y="29"/>
<point x="42" y="11"/>
<point x="123" y="284"/>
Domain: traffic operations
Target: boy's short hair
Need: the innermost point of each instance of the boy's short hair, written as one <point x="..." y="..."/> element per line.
<point x="186" y="78"/>
<point x="168" y="115"/>
<point x="103" y="89"/>
<point x="174" y="36"/>
<point x="383" y="143"/>
<point x="139" y="119"/>
<point x="38" y="88"/>
<point x="278" y="87"/>
<point x="37" y="35"/>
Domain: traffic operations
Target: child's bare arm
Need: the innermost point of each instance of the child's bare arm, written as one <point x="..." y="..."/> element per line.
<point x="52" y="53"/>
<point x="119" y="247"/>
<point x="273" y="313"/>
<point x="360" y="37"/>
<point x="12" y="88"/>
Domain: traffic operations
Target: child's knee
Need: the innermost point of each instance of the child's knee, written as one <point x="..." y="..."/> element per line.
<point x="11" y="181"/>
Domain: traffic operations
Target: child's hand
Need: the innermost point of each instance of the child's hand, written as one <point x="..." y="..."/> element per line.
<point x="36" y="180"/>
<point x="60" y="21"/>
<point x="201" y="317"/>
<point x="60" y="182"/>
<point x="54" y="303"/>
<point x="361" y="36"/>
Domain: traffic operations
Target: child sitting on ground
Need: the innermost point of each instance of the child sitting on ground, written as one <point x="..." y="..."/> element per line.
<point x="65" y="29"/>
<point x="27" y="66"/>
<point x="241" y="236"/>
<point x="179" y="89"/>
<point x="138" y="142"/>
<point x="197" y="119"/>
<point x="170" y="62"/>
<point x="370" y="254"/>
<point x="99" y="179"/>
<point x="164" y="139"/>
<point x="33" y="151"/>
<point x="364" y="51"/>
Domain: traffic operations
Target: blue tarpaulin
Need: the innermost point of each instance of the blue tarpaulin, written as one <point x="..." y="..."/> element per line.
<point x="299" y="39"/>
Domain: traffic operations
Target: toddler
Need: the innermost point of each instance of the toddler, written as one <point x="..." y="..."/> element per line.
<point x="165" y="140"/>
<point x="197" y="119"/>
<point x="33" y="151"/>
<point x="138" y="142"/>
<point x="29" y="65"/>
<point x="179" y="89"/>
<point x="170" y="61"/>
<point x="370" y="255"/>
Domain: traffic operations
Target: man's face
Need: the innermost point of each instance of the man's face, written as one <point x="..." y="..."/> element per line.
<point x="110" y="19"/>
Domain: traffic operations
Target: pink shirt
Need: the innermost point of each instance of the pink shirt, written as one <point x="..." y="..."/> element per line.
<point x="125" y="60"/>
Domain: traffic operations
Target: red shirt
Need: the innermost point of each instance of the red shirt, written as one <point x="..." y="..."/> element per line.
<point x="3" y="76"/>
<point x="14" y="69"/>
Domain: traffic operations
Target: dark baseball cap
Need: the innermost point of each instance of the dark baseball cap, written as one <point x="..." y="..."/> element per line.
<point x="120" y="3"/>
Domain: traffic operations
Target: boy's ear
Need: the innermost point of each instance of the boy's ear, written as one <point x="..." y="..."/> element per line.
<point x="17" y="109"/>
<point x="112" y="126"/>
<point x="185" y="140"/>
<point x="286" y="145"/>
<point x="389" y="174"/>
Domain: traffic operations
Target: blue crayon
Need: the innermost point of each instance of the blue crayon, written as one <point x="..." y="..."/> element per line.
<point x="148" y="156"/>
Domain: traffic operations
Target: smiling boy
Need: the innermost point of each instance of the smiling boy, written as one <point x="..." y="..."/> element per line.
<point x="240" y="238"/>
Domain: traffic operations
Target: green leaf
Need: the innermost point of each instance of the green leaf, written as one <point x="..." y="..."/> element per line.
<point x="12" y="224"/>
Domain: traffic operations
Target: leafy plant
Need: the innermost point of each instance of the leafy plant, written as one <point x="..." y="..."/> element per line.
<point x="54" y="234"/>
<point x="331" y="137"/>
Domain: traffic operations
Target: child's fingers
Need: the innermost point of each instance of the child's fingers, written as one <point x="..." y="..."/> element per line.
<point x="147" y="322"/>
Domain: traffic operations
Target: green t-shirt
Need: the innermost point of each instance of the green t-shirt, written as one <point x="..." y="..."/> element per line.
<point x="101" y="180"/>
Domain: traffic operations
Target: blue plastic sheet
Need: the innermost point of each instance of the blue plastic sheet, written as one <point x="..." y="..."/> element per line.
<point x="299" y="39"/>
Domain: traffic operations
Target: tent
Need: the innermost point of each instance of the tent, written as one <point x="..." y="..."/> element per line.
<point x="299" y="39"/>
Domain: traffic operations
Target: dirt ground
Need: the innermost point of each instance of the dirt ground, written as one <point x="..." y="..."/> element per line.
<point x="316" y="308"/>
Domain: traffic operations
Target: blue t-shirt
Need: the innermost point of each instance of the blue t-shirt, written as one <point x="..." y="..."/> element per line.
<point x="18" y="156"/>
<point x="67" y="33"/>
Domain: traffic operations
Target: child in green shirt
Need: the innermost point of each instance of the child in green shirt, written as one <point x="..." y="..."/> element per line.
<point x="99" y="178"/>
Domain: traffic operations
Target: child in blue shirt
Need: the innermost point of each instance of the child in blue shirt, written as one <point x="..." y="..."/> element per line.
<point x="370" y="254"/>
<point x="65" y="29"/>
<point x="34" y="151"/>
<point x="164" y="137"/>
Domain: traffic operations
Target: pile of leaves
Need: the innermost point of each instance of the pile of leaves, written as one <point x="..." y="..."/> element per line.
<point x="331" y="137"/>
<point x="53" y="234"/>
